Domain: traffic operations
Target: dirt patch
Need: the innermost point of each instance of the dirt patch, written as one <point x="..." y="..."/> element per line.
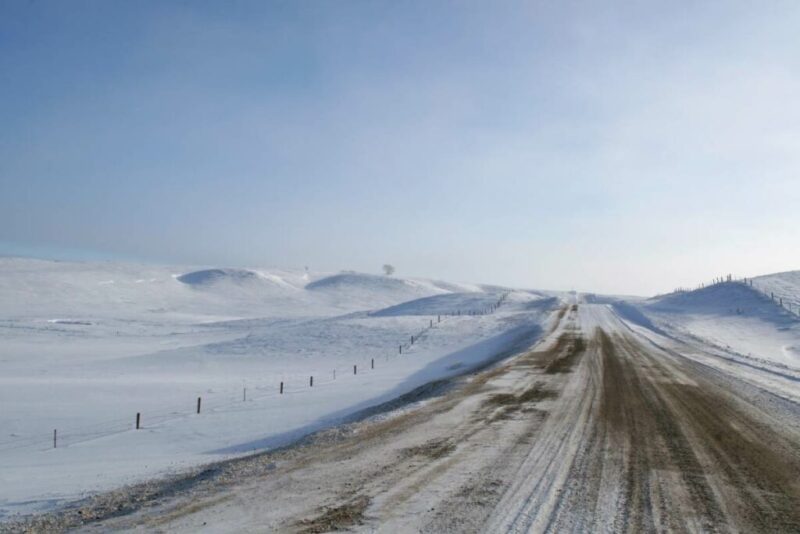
<point x="436" y="448"/>
<point x="481" y="493"/>
<point x="568" y="345"/>
<point x="535" y="393"/>
<point x="509" y="404"/>
<point x="502" y="399"/>
<point x="566" y="359"/>
<point x="337" y="517"/>
<point x="190" y="509"/>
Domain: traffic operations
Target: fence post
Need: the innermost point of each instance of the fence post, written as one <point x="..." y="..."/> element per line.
<point x="438" y="318"/>
<point x="311" y="381"/>
<point x="334" y="374"/>
<point x="372" y="363"/>
<point x="55" y="438"/>
<point x="431" y="326"/>
<point x="244" y="394"/>
<point x="401" y="349"/>
<point x="281" y="388"/>
<point x="198" y="404"/>
<point x="138" y="419"/>
<point x="412" y="340"/>
<point x="355" y="370"/>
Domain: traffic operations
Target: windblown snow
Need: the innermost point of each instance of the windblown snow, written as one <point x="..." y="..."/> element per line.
<point x="87" y="346"/>
<point x="272" y="355"/>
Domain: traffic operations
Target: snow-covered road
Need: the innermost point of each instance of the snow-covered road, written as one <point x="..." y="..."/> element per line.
<point x="599" y="427"/>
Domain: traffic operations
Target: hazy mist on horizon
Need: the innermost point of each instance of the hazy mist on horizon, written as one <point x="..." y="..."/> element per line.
<point x="626" y="147"/>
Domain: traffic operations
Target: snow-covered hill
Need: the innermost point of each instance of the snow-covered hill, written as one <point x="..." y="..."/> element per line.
<point x="784" y="286"/>
<point x="734" y="316"/>
<point x="37" y="289"/>
<point x="86" y="346"/>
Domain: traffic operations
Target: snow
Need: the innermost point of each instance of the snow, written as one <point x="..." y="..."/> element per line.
<point x="784" y="286"/>
<point x="732" y="316"/>
<point x="86" y="346"/>
<point x="211" y="276"/>
<point x="453" y="303"/>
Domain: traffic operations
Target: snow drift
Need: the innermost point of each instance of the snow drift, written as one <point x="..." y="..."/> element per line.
<point x="733" y="316"/>
<point x="449" y="304"/>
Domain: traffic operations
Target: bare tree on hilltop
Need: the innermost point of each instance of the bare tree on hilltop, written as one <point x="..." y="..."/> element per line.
<point x="388" y="270"/>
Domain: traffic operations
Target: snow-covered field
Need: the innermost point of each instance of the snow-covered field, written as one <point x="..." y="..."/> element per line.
<point x="87" y="346"/>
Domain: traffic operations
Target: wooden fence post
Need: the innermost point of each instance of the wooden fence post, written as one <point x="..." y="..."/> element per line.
<point x="138" y="419"/>
<point x="55" y="438"/>
<point x="281" y="388"/>
<point x="372" y="363"/>
<point x="311" y="381"/>
<point x="355" y="370"/>
<point x="198" y="404"/>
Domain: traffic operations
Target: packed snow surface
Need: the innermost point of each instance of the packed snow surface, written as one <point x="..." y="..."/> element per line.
<point x="87" y="346"/>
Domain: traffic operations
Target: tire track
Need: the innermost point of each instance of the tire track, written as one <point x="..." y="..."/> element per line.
<point x="662" y="448"/>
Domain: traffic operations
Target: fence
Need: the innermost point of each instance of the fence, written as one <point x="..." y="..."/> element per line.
<point x="296" y="383"/>
<point x="784" y="302"/>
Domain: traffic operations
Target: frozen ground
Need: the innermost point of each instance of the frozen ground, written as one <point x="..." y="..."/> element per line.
<point x="87" y="346"/>
<point x="674" y="413"/>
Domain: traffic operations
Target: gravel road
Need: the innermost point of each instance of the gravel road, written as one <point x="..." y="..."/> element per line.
<point x="595" y="428"/>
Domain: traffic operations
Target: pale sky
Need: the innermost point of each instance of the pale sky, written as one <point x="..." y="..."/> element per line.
<point x="619" y="147"/>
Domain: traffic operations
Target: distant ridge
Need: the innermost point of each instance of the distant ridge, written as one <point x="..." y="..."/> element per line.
<point x="210" y="276"/>
<point x="357" y="280"/>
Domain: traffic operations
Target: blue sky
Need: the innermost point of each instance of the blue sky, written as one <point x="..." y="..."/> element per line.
<point x="626" y="147"/>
